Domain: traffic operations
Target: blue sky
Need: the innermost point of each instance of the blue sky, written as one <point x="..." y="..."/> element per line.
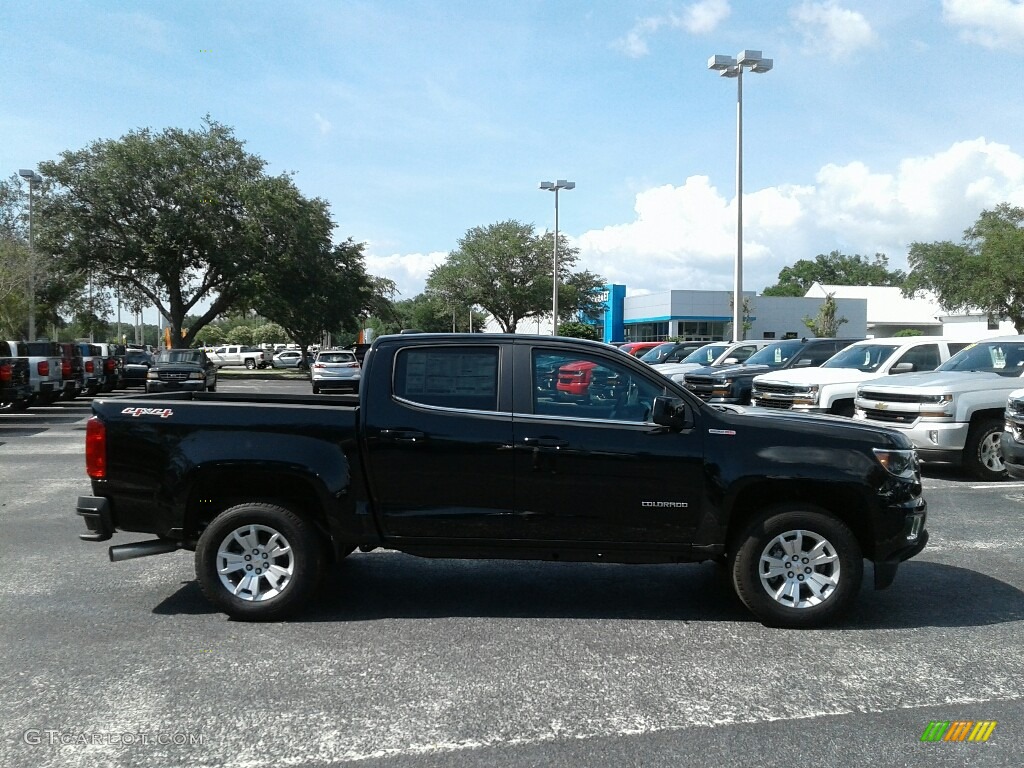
<point x="882" y="123"/>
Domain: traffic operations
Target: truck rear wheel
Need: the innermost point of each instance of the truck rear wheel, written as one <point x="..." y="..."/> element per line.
<point x="258" y="561"/>
<point x="250" y="363"/>
<point x="797" y="567"/>
<point x="983" y="452"/>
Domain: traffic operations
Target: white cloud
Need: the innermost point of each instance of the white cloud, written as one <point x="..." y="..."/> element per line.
<point x="322" y="123"/>
<point x="409" y="270"/>
<point x="830" y="29"/>
<point x="685" y="237"/>
<point x="705" y="16"/>
<point x="991" y="23"/>
<point x="698" y="18"/>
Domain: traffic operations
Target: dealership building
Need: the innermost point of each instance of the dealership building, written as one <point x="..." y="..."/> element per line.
<point x="870" y="311"/>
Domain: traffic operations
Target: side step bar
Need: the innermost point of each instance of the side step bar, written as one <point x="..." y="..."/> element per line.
<point x="142" y="549"/>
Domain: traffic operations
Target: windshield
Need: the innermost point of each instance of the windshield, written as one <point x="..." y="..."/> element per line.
<point x="137" y="357"/>
<point x="775" y="355"/>
<point x="658" y="353"/>
<point x="706" y="355"/>
<point x="867" y="358"/>
<point x="1003" y="357"/>
<point x="180" y="356"/>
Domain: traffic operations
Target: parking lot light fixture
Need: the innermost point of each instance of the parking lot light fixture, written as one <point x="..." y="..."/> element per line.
<point x="727" y="66"/>
<point x="34" y="180"/>
<point x="555" y="186"/>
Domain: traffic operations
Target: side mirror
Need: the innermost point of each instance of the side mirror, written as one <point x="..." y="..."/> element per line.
<point x="672" y="412"/>
<point x="902" y="368"/>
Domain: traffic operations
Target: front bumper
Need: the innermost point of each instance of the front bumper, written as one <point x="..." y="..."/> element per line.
<point x="934" y="440"/>
<point x="187" y="385"/>
<point x="1013" y="456"/>
<point x="908" y="542"/>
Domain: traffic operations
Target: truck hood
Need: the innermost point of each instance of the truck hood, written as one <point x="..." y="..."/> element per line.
<point x="732" y="371"/>
<point x="826" y="429"/>
<point x="671" y="369"/>
<point x="952" y="381"/>
<point x="820" y="376"/>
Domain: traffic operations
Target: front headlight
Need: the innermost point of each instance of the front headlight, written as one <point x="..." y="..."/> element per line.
<point x="938" y="406"/>
<point x="900" y="463"/>
<point x="197" y="375"/>
<point x="806" y="395"/>
<point x="152" y="375"/>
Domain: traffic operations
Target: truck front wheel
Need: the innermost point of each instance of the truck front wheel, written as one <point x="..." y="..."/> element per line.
<point x="258" y="561"/>
<point x="797" y="567"/>
<point x="983" y="453"/>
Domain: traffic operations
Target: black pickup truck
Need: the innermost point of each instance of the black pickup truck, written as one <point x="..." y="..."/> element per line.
<point x="452" y="450"/>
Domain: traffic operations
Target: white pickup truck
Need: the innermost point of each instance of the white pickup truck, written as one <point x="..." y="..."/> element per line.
<point x="832" y="386"/>
<point x="956" y="413"/>
<point x="236" y="354"/>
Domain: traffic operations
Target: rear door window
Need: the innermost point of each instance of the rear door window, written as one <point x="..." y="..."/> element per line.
<point x="451" y="377"/>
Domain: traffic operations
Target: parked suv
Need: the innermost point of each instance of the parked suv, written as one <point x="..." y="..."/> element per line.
<point x="732" y="384"/>
<point x="956" y="413"/>
<point x="182" y="369"/>
<point x="832" y="387"/>
<point x="335" y="369"/>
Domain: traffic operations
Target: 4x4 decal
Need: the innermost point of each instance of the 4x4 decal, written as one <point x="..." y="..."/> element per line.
<point x="163" y="413"/>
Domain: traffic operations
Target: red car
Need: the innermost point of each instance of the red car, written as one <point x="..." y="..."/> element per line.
<point x="584" y="379"/>
<point x="637" y="348"/>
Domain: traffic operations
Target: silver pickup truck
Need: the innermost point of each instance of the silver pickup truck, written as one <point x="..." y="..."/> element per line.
<point x="956" y="413"/>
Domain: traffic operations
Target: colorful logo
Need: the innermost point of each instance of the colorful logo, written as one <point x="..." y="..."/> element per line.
<point x="958" y="730"/>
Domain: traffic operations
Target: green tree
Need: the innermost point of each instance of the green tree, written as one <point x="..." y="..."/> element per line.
<point x="835" y="269"/>
<point x="210" y="336"/>
<point x="984" y="272"/>
<point x="826" y="324"/>
<point x="172" y="218"/>
<point x="505" y="268"/>
<point x="577" y="330"/>
<point x="240" y="334"/>
<point x="269" y="333"/>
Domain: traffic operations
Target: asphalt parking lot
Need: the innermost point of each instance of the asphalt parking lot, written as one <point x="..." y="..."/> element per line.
<point x="411" y="662"/>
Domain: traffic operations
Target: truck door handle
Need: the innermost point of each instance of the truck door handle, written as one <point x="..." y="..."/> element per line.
<point x="403" y="435"/>
<point x="545" y="442"/>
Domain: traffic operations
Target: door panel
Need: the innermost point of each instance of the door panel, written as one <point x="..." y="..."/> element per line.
<point x="596" y="469"/>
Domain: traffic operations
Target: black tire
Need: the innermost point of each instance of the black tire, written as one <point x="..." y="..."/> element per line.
<point x="316" y="389"/>
<point x="803" y="528"/>
<point x="983" y="452"/>
<point x="211" y="387"/>
<point x="250" y="364"/>
<point x="264" y="527"/>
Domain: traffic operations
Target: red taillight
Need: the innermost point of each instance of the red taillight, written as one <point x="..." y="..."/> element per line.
<point x="89" y="366"/>
<point x="43" y="367"/>
<point x="95" y="448"/>
<point x="109" y="365"/>
<point x="5" y="372"/>
<point x="319" y="365"/>
<point x="65" y="369"/>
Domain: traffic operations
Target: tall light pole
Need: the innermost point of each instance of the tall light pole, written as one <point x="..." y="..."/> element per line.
<point x="34" y="180"/>
<point x="554" y="186"/>
<point x="730" y="67"/>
